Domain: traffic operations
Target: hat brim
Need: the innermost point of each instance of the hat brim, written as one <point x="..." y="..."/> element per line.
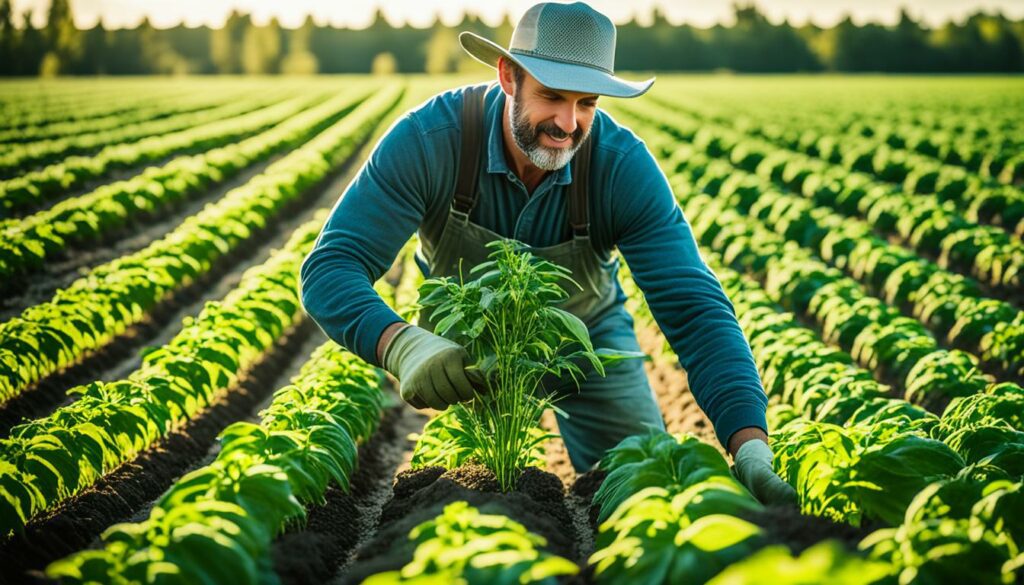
<point x="555" y="74"/>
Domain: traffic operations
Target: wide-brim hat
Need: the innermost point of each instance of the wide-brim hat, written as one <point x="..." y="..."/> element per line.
<point x="570" y="47"/>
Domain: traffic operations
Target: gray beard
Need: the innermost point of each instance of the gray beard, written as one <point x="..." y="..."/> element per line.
<point x="528" y="140"/>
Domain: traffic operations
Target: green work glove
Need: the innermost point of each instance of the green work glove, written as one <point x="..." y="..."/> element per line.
<point x="754" y="470"/>
<point x="431" y="369"/>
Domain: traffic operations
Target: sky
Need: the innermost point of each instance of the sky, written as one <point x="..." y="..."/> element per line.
<point x="358" y="13"/>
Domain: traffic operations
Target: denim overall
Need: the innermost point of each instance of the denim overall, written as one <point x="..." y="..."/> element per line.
<point x="605" y="409"/>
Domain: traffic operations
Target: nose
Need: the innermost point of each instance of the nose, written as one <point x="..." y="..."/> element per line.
<point x="565" y="118"/>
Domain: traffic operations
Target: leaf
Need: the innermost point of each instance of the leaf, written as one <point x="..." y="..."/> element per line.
<point x="569" y="325"/>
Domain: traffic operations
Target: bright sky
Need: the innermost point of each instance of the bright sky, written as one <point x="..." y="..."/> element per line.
<point x="357" y="13"/>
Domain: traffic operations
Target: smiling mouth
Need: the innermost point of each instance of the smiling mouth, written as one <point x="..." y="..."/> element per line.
<point x="565" y="140"/>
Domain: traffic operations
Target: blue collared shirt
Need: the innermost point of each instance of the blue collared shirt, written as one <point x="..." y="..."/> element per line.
<point x="407" y="184"/>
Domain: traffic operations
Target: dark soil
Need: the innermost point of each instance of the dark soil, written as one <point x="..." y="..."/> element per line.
<point x="134" y="485"/>
<point x="538" y="503"/>
<point x="786" y="525"/>
<point x="315" y="552"/>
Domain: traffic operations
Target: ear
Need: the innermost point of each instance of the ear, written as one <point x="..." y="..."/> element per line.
<point x="505" y="76"/>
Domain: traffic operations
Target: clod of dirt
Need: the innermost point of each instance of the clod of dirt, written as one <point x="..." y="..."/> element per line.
<point x="473" y="477"/>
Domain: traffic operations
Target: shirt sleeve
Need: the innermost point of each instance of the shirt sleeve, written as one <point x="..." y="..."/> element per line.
<point x="375" y="216"/>
<point x="685" y="297"/>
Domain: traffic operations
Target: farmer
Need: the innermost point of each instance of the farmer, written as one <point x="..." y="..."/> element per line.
<point x="532" y="158"/>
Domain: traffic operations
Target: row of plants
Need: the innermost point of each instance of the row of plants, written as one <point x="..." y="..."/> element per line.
<point x="217" y="523"/>
<point x="153" y="108"/>
<point x="671" y="512"/>
<point x="931" y="227"/>
<point x="78" y="104"/>
<point x="915" y="159"/>
<point x="87" y="219"/>
<point x="952" y="306"/>
<point x="869" y="467"/>
<point x="464" y="545"/>
<point x="47" y="460"/>
<point x="50" y="182"/>
<point x="17" y="159"/>
<point x="900" y="148"/>
<point x="949" y="305"/>
<point x="877" y="336"/>
<point x="886" y="458"/>
<point x="100" y="306"/>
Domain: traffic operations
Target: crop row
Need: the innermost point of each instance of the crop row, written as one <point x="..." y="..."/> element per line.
<point x="230" y="511"/>
<point x="929" y="226"/>
<point x="900" y="348"/>
<point x="47" y="460"/>
<point x="888" y="460"/>
<point x="77" y="104"/>
<point x="30" y="241"/>
<point x="156" y="109"/>
<point x="915" y="173"/>
<point x="40" y="186"/>
<point x="849" y="142"/>
<point x="98" y="307"/>
<point x="17" y="159"/>
<point x="949" y="305"/>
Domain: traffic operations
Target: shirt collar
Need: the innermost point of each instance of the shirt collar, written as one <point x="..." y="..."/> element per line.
<point x="496" y="162"/>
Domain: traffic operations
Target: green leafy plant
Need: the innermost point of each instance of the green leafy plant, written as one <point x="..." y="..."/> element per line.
<point x="231" y="509"/>
<point x="463" y="545"/>
<point x="515" y="335"/>
<point x="657" y="537"/>
<point x="825" y="562"/>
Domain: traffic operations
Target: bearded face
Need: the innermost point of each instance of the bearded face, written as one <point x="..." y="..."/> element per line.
<point x="528" y="136"/>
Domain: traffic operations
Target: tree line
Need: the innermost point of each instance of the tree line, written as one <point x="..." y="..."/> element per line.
<point x="984" y="42"/>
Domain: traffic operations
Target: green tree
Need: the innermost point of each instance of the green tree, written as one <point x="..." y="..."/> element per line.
<point x="261" y="48"/>
<point x="384" y="64"/>
<point x="300" y="60"/>
<point x="8" y="39"/>
<point x="226" y="43"/>
<point x="63" y="40"/>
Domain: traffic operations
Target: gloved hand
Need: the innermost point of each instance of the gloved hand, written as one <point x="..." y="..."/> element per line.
<point x="430" y="368"/>
<point x="754" y="470"/>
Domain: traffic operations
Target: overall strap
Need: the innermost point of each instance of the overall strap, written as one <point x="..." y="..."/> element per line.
<point x="469" y="154"/>
<point x="579" y="208"/>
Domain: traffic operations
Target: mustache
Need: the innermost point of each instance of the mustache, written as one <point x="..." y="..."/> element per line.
<point x="557" y="133"/>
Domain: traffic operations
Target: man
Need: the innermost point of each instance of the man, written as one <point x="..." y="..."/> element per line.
<point x="567" y="180"/>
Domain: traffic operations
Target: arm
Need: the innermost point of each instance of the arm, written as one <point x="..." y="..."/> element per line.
<point x="369" y="224"/>
<point x="691" y="308"/>
<point x="687" y="300"/>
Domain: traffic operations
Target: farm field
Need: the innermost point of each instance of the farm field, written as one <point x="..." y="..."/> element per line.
<point x="169" y="413"/>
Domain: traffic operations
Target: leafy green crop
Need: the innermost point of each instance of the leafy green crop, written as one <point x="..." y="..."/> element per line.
<point x="956" y="531"/>
<point x="825" y="562"/>
<point x="103" y="304"/>
<point x="862" y="470"/>
<point x="216" y="524"/>
<point x="50" y="459"/>
<point x="515" y="335"/>
<point x="658" y="459"/>
<point x="463" y="545"/>
<point x="655" y="537"/>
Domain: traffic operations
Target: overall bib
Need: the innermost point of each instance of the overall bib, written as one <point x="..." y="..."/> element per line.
<point x="605" y="409"/>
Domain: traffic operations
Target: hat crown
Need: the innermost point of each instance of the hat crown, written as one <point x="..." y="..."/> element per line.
<point x="572" y="33"/>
